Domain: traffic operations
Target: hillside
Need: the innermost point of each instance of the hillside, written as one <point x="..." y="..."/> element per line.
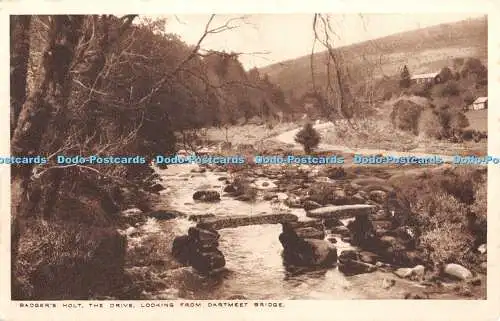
<point x="423" y="50"/>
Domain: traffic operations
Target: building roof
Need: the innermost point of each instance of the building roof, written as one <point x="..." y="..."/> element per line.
<point x="425" y="76"/>
<point x="480" y="100"/>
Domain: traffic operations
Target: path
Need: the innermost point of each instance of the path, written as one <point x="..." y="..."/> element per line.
<point x="288" y="137"/>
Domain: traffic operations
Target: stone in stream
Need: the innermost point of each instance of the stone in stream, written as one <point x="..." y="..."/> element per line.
<point x="382" y="226"/>
<point x="182" y="249"/>
<point x="220" y="222"/>
<point x="341" y="211"/>
<point x="205" y="263"/>
<point x="350" y="264"/>
<point x="457" y="271"/>
<point x="206" y="196"/>
<point x="368" y="257"/>
<point x="332" y="222"/>
<point x="156" y="188"/>
<point x="311" y="205"/>
<point x="303" y="222"/>
<point x="353" y="267"/>
<point x="202" y="235"/>
<point x="378" y="196"/>
<point x="310" y="233"/>
<point x="340" y="230"/>
<point x="307" y="252"/>
<point x="165" y="214"/>
<point x="198" y="217"/>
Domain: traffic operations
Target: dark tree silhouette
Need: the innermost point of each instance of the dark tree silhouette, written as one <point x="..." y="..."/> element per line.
<point x="308" y="137"/>
<point x="405" y="80"/>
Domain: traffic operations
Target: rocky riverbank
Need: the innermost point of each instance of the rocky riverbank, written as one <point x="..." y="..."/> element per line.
<point x="361" y="207"/>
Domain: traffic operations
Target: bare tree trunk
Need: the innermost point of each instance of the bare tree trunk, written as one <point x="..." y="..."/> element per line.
<point x="19" y="55"/>
<point x="36" y="113"/>
<point x="93" y="77"/>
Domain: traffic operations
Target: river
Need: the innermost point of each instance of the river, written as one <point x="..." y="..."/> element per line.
<point x="253" y="253"/>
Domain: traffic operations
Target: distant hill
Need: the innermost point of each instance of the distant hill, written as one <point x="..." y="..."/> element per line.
<point x="423" y="50"/>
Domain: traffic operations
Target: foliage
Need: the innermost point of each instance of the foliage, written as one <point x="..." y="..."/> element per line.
<point x="451" y="88"/>
<point x="308" y="137"/>
<point x="445" y="74"/>
<point x="442" y="202"/>
<point x="405" y="115"/>
<point x="421" y="90"/>
<point x="405" y="80"/>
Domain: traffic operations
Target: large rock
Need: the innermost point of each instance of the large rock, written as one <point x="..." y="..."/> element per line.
<point x="340" y="230"/>
<point x="165" y="214"/>
<point x="378" y="196"/>
<point x="155" y="188"/>
<point x="307" y="252"/>
<point x="303" y="222"/>
<point x="182" y="249"/>
<point x="205" y="263"/>
<point x="310" y="233"/>
<point x="311" y="205"/>
<point x="206" y="196"/>
<point x="203" y="235"/>
<point x="332" y="222"/>
<point x="341" y="211"/>
<point x="199" y="217"/>
<point x="220" y="222"/>
<point x="362" y="232"/>
<point x="350" y="264"/>
<point x="415" y="273"/>
<point x="457" y="271"/>
<point x="368" y="257"/>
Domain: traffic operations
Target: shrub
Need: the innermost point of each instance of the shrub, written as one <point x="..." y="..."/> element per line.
<point x="449" y="89"/>
<point x="429" y="124"/>
<point x="469" y="99"/>
<point x="447" y="243"/>
<point x="474" y="67"/>
<point x="308" y="137"/>
<point x="63" y="260"/>
<point x="405" y="115"/>
<point x="450" y="210"/>
<point x="445" y="74"/>
<point x="421" y="90"/>
<point x="478" y="219"/>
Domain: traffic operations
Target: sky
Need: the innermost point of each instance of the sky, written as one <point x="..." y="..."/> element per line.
<point x="269" y="38"/>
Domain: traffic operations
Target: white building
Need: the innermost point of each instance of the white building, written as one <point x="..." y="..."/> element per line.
<point x="479" y="103"/>
<point x="432" y="77"/>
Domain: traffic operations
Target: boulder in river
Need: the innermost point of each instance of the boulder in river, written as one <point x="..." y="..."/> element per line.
<point x="156" y="188"/>
<point x="307" y="252"/>
<point x="231" y="221"/>
<point x="332" y="222"/>
<point x="202" y="235"/>
<point x="165" y="214"/>
<point x="341" y="211"/>
<point x="340" y="230"/>
<point x="311" y="205"/>
<point x="353" y="267"/>
<point x="350" y="263"/>
<point x="310" y="233"/>
<point x="303" y="222"/>
<point x="206" y="196"/>
<point x="378" y="196"/>
<point x="457" y="271"/>
<point x="206" y="263"/>
<point x="182" y="249"/>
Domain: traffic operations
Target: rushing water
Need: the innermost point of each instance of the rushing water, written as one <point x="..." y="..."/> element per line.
<point x="253" y="253"/>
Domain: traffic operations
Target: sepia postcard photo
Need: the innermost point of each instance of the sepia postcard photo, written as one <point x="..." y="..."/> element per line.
<point x="249" y="164"/>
